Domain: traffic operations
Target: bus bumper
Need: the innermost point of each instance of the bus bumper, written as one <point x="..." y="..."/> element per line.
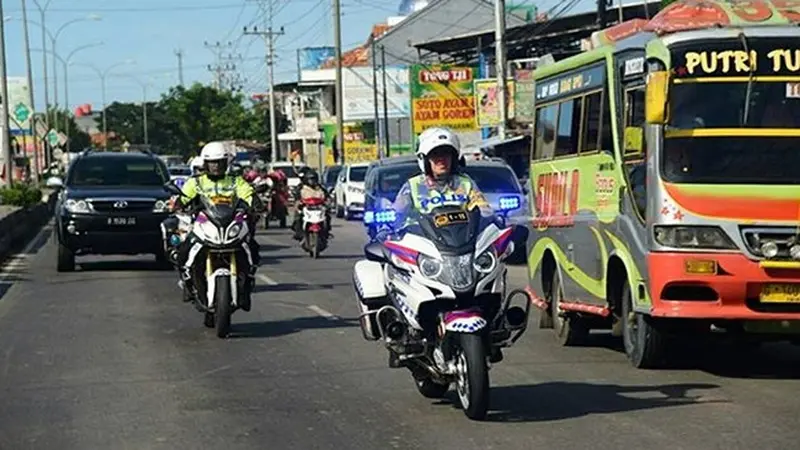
<point x="683" y="285"/>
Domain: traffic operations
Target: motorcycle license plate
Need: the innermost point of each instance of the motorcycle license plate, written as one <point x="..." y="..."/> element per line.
<point x="122" y="221"/>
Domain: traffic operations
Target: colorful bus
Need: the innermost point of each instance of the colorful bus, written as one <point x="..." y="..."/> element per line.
<point x="665" y="176"/>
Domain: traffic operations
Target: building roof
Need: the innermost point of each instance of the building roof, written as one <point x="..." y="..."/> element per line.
<point x="558" y="36"/>
<point x="439" y="18"/>
<point x="359" y="56"/>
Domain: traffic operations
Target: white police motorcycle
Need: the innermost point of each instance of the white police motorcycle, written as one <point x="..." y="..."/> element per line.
<point x="437" y="299"/>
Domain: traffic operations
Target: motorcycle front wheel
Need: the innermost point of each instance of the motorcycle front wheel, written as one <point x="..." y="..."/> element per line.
<point x="472" y="376"/>
<point x="223" y="306"/>
<point x="313" y="244"/>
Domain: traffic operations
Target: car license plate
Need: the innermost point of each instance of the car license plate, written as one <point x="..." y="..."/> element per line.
<point x="122" y="220"/>
<point x="780" y="293"/>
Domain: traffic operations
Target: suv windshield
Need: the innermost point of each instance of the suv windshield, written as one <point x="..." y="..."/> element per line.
<point x="180" y="171"/>
<point x="116" y="171"/>
<point x="494" y="179"/>
<point x="392" y="178"/>
<point x="358" y="173"/>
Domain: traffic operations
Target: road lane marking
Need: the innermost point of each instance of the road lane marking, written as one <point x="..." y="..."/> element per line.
<point x="323" y="313"/>
<point x="267" y="280"/>
<point x="19" y="260"/>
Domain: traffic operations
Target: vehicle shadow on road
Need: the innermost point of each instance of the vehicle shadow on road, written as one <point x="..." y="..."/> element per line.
<point x="124" y="266"/>
<point x="284" y="287"/>
<point x="775" y="361"/>
<point x="566" y="400"/>
<point x="271" y="329"/>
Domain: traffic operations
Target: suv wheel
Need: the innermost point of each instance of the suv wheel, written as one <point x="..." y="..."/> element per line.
<point x="66" y="259"/>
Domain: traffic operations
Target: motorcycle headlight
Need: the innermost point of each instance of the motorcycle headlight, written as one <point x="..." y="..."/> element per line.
<point x="77" y="206"/>
<point x="234" y="230"/>
<point x="161" y="206"/>
<point x="485" y="263"/>
<point x="429" y="267"/>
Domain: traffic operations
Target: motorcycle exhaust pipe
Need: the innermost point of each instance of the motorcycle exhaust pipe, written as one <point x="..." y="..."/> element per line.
<point x="515" y="317"/>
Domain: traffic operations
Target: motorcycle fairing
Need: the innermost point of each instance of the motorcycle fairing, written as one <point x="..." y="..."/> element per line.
<point x="464" y="321"/>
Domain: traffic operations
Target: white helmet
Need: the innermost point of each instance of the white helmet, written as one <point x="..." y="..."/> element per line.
<point x="197" y="163"/>
<point x="214" y="151"/>
<point x="434" y="138"/>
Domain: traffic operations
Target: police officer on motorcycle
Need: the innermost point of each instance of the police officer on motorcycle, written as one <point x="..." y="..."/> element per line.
<point x="217" y="182"/>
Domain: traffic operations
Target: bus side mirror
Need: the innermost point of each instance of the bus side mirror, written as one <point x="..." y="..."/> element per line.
<point x="656" y="97"/>
<point x="633" y="141"/>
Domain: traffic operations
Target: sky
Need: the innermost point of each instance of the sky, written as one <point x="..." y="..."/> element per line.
<point x="143" y="35"/>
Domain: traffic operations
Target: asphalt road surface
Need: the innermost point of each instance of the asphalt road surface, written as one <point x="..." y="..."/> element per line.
<point x="109" y="358"/>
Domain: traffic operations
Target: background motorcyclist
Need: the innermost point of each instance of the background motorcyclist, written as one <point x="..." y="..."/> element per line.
<point x="215" y="182"/>
<point x="197" y="166"/>
<point x="441" y="181"/>
<point x="311" y="188"/>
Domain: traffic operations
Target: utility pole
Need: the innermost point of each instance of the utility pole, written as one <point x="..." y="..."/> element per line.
<point x="385" y="102"/>
<point x="337" y="43"/>
<point x="179" y="54"/>
<point x="29" y="76"/>
<point x="217" y="48"/>
<point x="269" y="38"/>
<point x="500" y="64"/>
<point x="5" y="145"/>
<point x="374" y="57"/>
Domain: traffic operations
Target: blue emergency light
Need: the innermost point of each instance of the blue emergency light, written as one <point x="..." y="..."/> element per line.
<point x="509" y="203"/>
<point x="379" y="217"/>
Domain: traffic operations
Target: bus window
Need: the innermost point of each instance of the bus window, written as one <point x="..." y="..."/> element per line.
<point x="606" y="136"/>
<point x="569" y="121"/>
<point x="636" y="166"/>
<point x="591" y="122"/>
<point x="545" y="132"/>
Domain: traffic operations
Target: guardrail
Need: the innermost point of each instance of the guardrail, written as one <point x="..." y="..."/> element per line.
<point x="23" y="224"/>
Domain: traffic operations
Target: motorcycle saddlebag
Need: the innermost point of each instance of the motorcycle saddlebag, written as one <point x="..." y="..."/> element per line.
<point x="371" y="293"/>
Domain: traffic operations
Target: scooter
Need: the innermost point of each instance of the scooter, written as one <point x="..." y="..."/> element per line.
<point x="315" y="232"/>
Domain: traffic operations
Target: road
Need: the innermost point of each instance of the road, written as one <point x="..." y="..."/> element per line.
<point x="109" y="358"/>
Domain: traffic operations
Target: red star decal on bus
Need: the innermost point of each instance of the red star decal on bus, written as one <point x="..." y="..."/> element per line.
<point x="678" y="215"/>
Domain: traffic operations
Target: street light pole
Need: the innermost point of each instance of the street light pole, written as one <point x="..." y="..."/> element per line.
<point x="53" y="42"/>
<point x="5" y="145"/>
<point x="29" y="75"/>
<point x="42" y="11"/>
<point x="103" y="75"/>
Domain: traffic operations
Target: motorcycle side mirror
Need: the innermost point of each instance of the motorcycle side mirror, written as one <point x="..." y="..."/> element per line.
<point x="374" y="252"/>
<point x="172" y="188"/>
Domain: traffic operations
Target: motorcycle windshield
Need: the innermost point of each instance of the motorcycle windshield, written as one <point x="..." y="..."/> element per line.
<point x="452" y="229"/>
<point x="220" y="210"/>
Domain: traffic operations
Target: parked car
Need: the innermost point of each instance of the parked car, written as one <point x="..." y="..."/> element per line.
<point x="349" y="191"/>
<point x="110" y="203"/>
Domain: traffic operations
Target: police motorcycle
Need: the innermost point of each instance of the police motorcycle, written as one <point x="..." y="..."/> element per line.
<point x="436" y="297"/>
<point x="220" y="258"/>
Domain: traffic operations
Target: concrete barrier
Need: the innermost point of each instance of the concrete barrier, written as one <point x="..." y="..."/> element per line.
<point x="21" y="225"/>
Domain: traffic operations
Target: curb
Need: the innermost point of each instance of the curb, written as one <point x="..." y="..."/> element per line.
<point x="19" y="227"/>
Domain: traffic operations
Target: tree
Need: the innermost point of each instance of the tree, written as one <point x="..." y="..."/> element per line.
<point x="186" y="117"/>
<point x="78" y="140"/>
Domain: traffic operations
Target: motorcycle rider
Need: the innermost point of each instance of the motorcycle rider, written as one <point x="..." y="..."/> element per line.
<point x="311" y="188"/>
<point x="216" y="181"/>
<point x="438" y="155"/>
<point x="197" y="166"/>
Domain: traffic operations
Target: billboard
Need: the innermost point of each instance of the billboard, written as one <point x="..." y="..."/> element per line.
<point x="487" y="107"/>
<point x="524" y="93"/>
<point x="443" y="95"/>
<point x="358" y="98"/>
<point x="312" y="58"/>
<point x="20" y="110"/>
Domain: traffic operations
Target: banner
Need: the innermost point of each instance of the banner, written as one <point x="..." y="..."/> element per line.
<point x="359" y="99"/>
<point x="442" y="96"/>
<point x="487" y="106"/>
<point x="312" y="58"/>
<point x="20" y="109"/>
<point x="524" y="94"/>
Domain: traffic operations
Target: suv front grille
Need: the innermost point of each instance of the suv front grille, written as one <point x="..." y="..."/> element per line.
<point x="783" y="237"/>
<point x="122" y="205"/>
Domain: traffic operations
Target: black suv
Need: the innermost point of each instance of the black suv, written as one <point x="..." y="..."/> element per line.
<point x="111" y="204"/>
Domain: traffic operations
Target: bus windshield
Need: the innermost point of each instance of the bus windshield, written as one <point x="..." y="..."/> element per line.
<point x="734" y="111"/>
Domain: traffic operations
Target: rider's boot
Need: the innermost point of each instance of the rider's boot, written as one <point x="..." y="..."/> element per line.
<point x="189" y="289"/>
<point x="495" y="355"/>
<point x="249" y="285"/>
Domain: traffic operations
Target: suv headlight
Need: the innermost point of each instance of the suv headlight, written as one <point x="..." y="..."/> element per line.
<point x="161" y="206"/>
<point x="693" y="237"/>
<point x="78" y="206"/>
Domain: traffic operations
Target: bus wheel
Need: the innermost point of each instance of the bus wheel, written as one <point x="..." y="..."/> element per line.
<point x="645" y="345"/>
<point x="570" y="329"/>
